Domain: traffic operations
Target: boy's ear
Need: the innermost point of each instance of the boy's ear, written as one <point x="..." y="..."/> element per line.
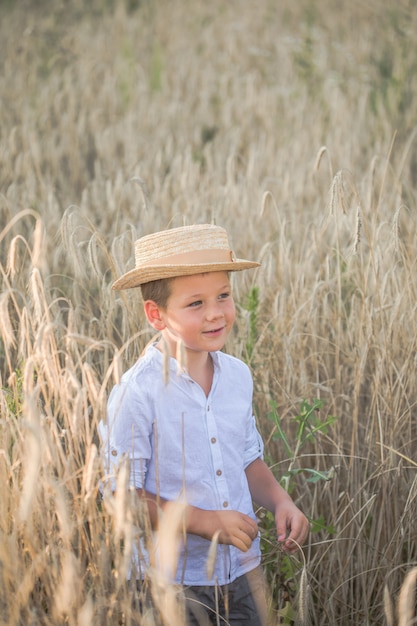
<point x="153" y="315"/>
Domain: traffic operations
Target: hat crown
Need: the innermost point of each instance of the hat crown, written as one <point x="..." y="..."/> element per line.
<point x="159" y="247"/>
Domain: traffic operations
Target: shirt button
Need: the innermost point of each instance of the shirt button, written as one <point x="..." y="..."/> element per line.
<point x="114" y="452"/>
<point x="213" y="440"/>
<point x="219" y="472"/>
<point x="225" y="504"/>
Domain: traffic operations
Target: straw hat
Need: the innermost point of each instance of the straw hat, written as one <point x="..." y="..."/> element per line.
<point x="181" y="252"/>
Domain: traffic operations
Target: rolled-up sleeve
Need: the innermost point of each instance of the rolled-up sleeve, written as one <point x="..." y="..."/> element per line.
<point x="126" y="435"/>
<point x="254" y="448"/>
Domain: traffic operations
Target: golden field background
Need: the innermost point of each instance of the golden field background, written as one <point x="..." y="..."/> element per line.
<point x="293" y="125"/>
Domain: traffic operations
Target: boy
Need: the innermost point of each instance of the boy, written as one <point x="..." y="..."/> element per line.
<point x="191" y="435"/>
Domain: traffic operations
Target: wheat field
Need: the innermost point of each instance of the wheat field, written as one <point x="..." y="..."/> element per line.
<point x="293" y="125"/>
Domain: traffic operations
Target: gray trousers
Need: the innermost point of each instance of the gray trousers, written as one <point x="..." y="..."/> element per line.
<point x="240" y="602"/>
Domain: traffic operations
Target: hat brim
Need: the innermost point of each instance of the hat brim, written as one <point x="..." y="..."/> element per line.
<point x="139" y="276"/>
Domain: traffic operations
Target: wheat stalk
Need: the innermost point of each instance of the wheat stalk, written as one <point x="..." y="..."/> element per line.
<point x="407" y="600"/>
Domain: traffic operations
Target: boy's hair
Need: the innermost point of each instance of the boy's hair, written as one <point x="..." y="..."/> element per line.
<point x="157" y="290"/>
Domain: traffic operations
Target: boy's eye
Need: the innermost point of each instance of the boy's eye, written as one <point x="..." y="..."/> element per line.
<point x="194" y="304"/>
<point x="223" y="296"/>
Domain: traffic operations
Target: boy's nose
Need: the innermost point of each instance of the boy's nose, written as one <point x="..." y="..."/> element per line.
<point x="214" y="311"/>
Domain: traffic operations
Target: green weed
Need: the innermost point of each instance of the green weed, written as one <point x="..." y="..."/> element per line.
<point x="283" y="576"/>
<point x="251" y="306"/>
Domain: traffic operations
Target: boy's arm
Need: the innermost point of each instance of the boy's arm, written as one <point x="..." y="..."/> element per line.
<point x="292" y="525"/>
<point x="233" y="528"/>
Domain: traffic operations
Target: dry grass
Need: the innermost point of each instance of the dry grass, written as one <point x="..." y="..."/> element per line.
<point x="291" y="124"/>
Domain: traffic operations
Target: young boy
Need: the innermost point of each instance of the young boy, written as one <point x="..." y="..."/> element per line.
<point x="191" y="435"/>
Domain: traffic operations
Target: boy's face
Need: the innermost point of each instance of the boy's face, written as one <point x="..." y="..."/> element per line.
<point x="200" y="312"/>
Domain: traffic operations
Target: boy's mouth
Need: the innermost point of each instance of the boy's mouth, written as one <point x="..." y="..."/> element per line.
<point x="214" y="331"/>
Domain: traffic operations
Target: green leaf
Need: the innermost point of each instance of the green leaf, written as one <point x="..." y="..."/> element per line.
<point x="319" y="524"/>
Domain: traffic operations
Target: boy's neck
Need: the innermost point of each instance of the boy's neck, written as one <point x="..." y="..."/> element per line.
<point x="199" y="365"/>
<point x="201" y="370"/>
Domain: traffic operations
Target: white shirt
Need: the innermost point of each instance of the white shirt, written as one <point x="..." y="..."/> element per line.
<point x="184" y="445"/>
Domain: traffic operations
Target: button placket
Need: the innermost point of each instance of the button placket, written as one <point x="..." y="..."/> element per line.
<point x="217" y="461"/>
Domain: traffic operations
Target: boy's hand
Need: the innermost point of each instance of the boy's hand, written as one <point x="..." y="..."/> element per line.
<point x="292" y="526"/>
<point x="236" y="529"/>
<point x="233" y="528"/>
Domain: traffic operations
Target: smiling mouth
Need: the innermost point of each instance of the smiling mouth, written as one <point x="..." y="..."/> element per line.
<point x="215" y="331"/>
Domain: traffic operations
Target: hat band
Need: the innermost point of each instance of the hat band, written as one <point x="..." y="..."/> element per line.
<point x="196" y="257"/>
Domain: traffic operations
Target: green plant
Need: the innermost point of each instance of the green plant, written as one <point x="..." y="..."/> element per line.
<point x="13" y="393"/>
<point x="309" y="425"/>
<point x="283" y="580"/>
<point x="251" y="306"/>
